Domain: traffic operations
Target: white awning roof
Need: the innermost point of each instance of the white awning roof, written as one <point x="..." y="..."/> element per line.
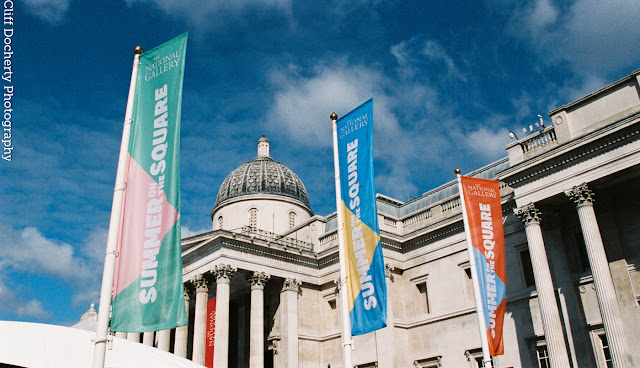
<point x="37" y="345"/>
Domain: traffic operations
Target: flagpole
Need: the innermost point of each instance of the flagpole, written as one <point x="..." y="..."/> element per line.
<point x="114" y="225"/>
<point x="486" y="358"/>
<point x="344" y="302"/>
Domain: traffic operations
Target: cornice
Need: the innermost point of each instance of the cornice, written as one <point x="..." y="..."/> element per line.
<point x="433" y="235"/>
<point x="601" y="141"/>
<point x="434" y="319"/>
<point x="254" y="247"/>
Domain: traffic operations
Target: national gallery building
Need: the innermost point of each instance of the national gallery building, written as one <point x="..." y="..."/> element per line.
<point x="571" y="200"/>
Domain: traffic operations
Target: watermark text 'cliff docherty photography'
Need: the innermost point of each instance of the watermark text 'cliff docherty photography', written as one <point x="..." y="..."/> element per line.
<point x="7" y="84"/>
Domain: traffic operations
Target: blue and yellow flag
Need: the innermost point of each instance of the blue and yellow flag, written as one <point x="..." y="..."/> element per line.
<point x="366" y="288"/>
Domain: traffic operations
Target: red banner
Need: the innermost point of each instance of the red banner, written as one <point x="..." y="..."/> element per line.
<point x="211" y="332"/>
<point x="484" y="215"/>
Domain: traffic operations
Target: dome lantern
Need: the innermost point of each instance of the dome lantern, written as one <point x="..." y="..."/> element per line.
<point x="263" y="146"/>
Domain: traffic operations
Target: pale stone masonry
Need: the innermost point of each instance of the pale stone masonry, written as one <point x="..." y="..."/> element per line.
<point x="573" y="279"/>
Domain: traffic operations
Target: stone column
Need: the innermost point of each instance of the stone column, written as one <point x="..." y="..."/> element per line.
<point x="147" y="338"/>
<point x="200" y="321"/>
<point x="549" y="311"/>
<point x="582" y="196"/>
<point x="122" y="335"/>
<point x="164" y="340"/>
<point x="385" y="340"/>
<point x="256" y="342"/>
<point x="182" y="333"/>
<point x="222" y="274"/>
<point x="133" y="336"/>
<point x="289" y="304"/>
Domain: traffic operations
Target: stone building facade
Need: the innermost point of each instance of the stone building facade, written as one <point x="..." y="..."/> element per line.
<point x="571" y="198"/>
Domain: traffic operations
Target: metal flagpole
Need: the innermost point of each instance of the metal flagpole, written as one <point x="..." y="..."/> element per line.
<point x="114" y="225"/>
<point x="486" y="358"/>
<point x="344" y="303"/>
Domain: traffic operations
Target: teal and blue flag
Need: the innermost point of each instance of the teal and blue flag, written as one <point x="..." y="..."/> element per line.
<point x="366" y="287"/>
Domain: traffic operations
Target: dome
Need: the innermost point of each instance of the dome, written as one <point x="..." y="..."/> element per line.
<point x="89" y="313"/>
<point x="263" y="175"/>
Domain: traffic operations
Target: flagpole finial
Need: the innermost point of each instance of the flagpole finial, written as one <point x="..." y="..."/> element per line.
<point x="137" y="50"/>
<point x="333" y="116"/>
<point x="457" y="171"/>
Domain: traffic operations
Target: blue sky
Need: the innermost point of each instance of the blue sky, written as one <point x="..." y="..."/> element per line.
<point x="448" y="80"/>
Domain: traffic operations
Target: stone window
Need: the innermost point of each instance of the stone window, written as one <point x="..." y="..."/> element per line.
<point x="527" y="268"/>
<point x="581" y="250"/>
<point x="576" y="250"/>
<point x="606" y="353"/>
<point x="542" y="356"/>
<point x="467" y="280"/>
<point x="220" y="222"/>
<point x="601" y="349"/>
<point x="367" y="365"/>
<point x="253" y="218"/>
<point x="421" y="292"/>
<point x="292" y="219"/>
<point x="433" y="362"/>
<point x="333" y="320"/>
<point x="539" y="352"/>
<point x="474" y="356"/>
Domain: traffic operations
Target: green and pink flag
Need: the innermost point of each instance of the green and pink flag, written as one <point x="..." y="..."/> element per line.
<point x="147" y="288"/>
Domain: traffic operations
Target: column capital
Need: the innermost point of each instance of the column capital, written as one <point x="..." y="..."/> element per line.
<point x="201" y="283"/>
<point x="189" y="287"/>
<point x="291" y="284"/>
<point x="528" y="214"/>
<point x="388" y="269"/>
<point x="258" y="279"/>
<point x="223" y="272"/>
<point x="581" y="195"/>
<point x="336" y="282"/>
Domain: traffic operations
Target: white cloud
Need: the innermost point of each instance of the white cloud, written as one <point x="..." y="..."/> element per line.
<point x="594" y="37"/>
<point x="10" y="301"/>
<point x="302" y="104"/>
<point x="28" y="251"/>
<point x="413" y="129"/>
<point x="412" y="54"/>
<point x="51" y="11"/>
<point x="487" y="143"/>
<point x="603" y="34"/>
<point x="522" y="105"/>
<point x="32" y="308"/>
<point x="186" y="232"/>
<point x="539" y="15"/>
<point x="211" y="15"/>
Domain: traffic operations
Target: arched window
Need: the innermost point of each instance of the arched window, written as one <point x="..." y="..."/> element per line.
<point x="292" y="219"/>
<point x="253" y="218"/>
<point x="220" y="222"/>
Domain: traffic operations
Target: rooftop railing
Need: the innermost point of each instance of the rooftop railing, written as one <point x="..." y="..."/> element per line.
<point x="539" y="141"/>
<point x="276" y="238"/>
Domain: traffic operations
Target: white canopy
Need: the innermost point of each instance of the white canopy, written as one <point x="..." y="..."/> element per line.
<point x="36" y="345"/>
